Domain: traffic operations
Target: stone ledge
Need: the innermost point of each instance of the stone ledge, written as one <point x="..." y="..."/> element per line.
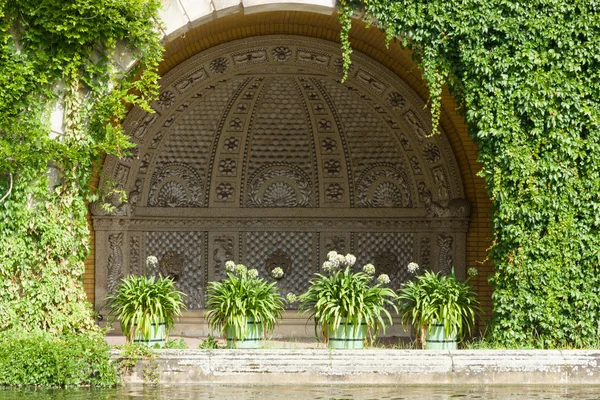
<point x="366" y="367"/>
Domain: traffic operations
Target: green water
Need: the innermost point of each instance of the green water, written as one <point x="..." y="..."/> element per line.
<point x="313" y="392"/>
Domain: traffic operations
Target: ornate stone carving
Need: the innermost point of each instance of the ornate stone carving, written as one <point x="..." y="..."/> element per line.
<point x="281" y="259"/>
<point x="441" y="182"/>
<point x="319" y="108"/>
<point x="414" y="162"/>
<point x="373" y="83"/>
<point x="171" y="265"/>
<point x="395" y="100"/>
<point x="279" y="185"/>
<point x="383" y="185"/>
<point x="115" y="262"/>
<point x="145" y="163"/>
<point x="222" y="252"/>
<point x="413" y="121"/>
<point x="175" y="185"/>
<point x="273" y="135"/>
<point x="134" y="257"/>
<point x="328" y="145"/>
<point x="336" y="243"/>
<point x="324" y="125"/>
<point x="425" y="253"/>
<point x="156" y="140"/>
<point x="386" y="262"/>
<point x="445" y="261"/>
<point x="142" y="128"/>
<point x="191" y="79"/>
<point x="282" y="53"/>
<point x="332" y="168"/>
<point x="248" y="57"/>
<point x="224" y="191"/>
<point x="236" y="124"/>
<point x="136" y="192"/>
<point x="431" y="153"/>
<point x="313" y="57"/>
<point x="389" y="252"/>
<point x="242" y="108"/>
<point x="455" y="208"/>
<point x="231" y="145"/>
<point x="227" y="167"/>
<point x="180" y="254"/>
<point x="292" y="251"/>
<point x="334" y="192"/>
<point x="219" y="65"/>
<point x="338" y="65"/>
<point x="166" y="99"/>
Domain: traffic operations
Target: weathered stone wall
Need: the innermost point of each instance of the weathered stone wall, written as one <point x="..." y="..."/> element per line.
<point x="368" y="367"/>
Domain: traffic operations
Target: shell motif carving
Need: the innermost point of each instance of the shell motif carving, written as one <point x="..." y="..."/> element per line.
<point x="279" y="186"/>
<point x="383" y="185"/>
<point x="175" y="185"/>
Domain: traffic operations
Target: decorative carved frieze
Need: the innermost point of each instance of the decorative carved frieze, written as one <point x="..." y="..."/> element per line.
<point x="279" y="185"/>
<point x="175" y="185"/>
<point x="115" y="262"/>
<point x="445" y="260"/>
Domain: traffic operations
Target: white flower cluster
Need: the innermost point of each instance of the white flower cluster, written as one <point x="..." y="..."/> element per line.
<point x="383" y="279"/>
<point x="369" y="269"/>
<point x="253" y="273"/>
<point x="230" y="266"/>
<point x="291" y="298"/>
<point x="473" y="272"/>
<point x="277" y="273"/>
<point x="413" y="267"/>
<point x="336" y="261"/>
<point x="151" y="261"/>
<point x="240" y="269"/>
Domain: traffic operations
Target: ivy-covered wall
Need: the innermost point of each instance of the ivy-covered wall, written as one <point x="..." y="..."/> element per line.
<point x="527" y="75"/>
<point x="54" y="51"/>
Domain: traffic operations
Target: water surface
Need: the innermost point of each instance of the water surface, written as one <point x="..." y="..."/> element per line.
<point x="337" y="392"/>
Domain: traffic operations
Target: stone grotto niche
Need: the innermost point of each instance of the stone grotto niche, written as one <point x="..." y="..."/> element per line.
<point x="257" y="153"/>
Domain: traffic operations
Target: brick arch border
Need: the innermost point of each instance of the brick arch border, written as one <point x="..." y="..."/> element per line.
<point x="371" y="42"/>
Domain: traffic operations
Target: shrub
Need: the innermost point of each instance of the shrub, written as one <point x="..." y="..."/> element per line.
<point x="40" y="359"/>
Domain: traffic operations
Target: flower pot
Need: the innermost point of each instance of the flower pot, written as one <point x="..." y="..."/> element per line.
<point x="347" y="336"/>
<point x="158" y="334"/>
<point x="436" y="338"/>
<point x="253" y="338"/>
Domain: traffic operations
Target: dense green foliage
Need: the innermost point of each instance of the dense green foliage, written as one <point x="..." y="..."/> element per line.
<point x="341" y="295"/>
<point x="141" y="304"/>
<point x="527" y="77"/>
<point x="61" y="51"/>
<point x="41" y="359"/>
<point x="436" y="298"/>
<point x="240" y="295"/>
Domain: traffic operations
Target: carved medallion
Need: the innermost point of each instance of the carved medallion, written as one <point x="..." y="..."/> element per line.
<point x="281" y="259"/>
<point x="171" y="265"/>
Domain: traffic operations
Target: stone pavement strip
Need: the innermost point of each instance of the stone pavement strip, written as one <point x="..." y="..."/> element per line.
<point x="284" y="366"/>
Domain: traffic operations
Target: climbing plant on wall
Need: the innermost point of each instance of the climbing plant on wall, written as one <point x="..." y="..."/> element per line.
<point x="527" y="75"/>
<point x="62" y="52"/>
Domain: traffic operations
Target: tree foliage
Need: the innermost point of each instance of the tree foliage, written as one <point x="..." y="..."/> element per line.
<point x="61" y="52"/>
<point x="527" y="75"/>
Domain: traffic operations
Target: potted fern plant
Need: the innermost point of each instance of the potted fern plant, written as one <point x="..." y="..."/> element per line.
<point x="440" y="306"/>
<point x="349" y="307"/>
<point x="243" y="306"/>
<point x="146" y="308"/>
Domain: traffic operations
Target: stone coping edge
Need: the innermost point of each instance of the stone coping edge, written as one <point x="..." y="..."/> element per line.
<point x="366" y="367"/>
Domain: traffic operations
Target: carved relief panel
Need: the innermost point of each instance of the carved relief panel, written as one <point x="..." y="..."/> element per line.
<point x="258" y="153"/>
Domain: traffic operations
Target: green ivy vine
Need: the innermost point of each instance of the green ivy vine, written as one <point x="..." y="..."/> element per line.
<point x="527" y="75"/>
<point x="62" y="52"/>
